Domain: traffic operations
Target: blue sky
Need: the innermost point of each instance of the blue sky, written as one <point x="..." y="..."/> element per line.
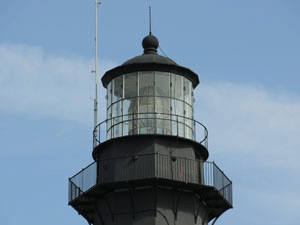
<point x="246" y="53"/>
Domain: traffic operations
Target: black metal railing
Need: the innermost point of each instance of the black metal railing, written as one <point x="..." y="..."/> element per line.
<point x="150" y="166"/>
<point x="82" y="181"/>
<point x="150" y="123"/>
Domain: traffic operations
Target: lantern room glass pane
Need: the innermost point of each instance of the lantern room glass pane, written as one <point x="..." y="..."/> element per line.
<point x="130" y="85"/>
<point x="146" y="84"/>
<point x="146" y="105"/>
<point x="108" y="124"/>
<point x="130" y="106"/>
<point x="179" y="108"/>
<point x="117" y="88"/>
<point x="132" y="124"/>
<point x="162" y="105"/>
<point x="178" y="87"/>
<point x="109" y="92"/>
<point x="188" y="121"/>
<point x="172" y="85"/>
<point x="162" y="84"/>
<point x="187" y="91"/>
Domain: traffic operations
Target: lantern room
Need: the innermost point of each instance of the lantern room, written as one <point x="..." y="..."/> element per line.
<point x="150" y="94"/>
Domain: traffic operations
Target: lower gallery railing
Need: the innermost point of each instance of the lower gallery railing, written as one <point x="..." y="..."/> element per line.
<point x="150" y="166"/>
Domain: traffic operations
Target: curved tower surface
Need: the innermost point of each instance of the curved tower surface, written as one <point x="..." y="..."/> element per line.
<point x="150" y="154"/>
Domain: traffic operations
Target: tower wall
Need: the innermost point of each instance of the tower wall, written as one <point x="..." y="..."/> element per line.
<point x="149" y="144"/>
<point x="150" y="206"/>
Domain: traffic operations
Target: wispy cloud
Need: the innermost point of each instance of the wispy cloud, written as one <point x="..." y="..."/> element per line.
<point x="243" y="119"/>
<point x="248" y="120"/>
<point x="33" y="82"/>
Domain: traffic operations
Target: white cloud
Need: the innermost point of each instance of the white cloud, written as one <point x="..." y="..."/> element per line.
<point x="241" y="119"/>
<point x="33" y="82"/>
<point x="246" y="120"/>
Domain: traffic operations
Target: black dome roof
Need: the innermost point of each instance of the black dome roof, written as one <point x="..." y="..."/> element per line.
<point x="150" y="61"/>
<point x="150" y="44"/>
<point x="150" y="58"/>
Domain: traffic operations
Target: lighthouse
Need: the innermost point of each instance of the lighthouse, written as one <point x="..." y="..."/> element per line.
<point x="150" y="154"/>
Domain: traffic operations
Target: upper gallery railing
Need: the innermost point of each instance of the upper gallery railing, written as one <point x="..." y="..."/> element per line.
<point x="150" y="123"/>
<point x="150" y="166"/>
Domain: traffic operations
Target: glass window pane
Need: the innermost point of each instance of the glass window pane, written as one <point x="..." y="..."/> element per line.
<point x="130" y="106"/>
<point x="179" y="108"/>
<point x="130" y="85"/>
<point x="146" y="84"/>
<point x="162" y="84"/>
<point x="188" y="122"/>
<point x="172" y="85"/>
<point x="132" y="124"/>
<point x="187" y="91"/>
<point x="178" y="87"/>
<point x="162" y="105"/>
<point x="114" y="110"/>
<point x="109" y="113"/>
<point x="181" y="120"/>
<point x="125" y="128"/>
<point x="174" y="126"/>
<point x="117" y="88"/>
<point x="181" y="128"/>
<point x="109" y="91"/>
<point x="151" y="104"/>
<point x="174" y="118"/>
<point x="108" y="124"/>
<point x="147" y="124"/>
<point x="117" y="128"/>
<point x="163" y="124"/>
<point x="146" y="105"/>
<point x="188" y="111"/>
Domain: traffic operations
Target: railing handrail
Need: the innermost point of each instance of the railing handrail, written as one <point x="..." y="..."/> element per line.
<point x="124" y="121"/>
<point x="157" y="153"/>
<point x="70" y="180"/>
<point x="97" y="129"/>
<point x="213" y="175"/>
<point x="221" y="171"/>
<point x="83" y="169"/>
<point x="222" y="188"/>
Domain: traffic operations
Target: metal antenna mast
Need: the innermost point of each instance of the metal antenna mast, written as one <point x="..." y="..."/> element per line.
<point x="150" y="20"/>
<point x="96" y="65"/>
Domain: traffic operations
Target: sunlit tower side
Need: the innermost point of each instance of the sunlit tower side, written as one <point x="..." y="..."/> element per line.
<point x="150" y="154"/>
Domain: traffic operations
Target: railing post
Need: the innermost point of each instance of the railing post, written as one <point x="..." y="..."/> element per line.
<point x="204" y="131"/>
<point x="195" y="129"/>
<point x="70" y="191"/>
<point x="155" y="122"/>
<point x="177" y="125"/>
<point x="99" y="133"/>
<point x="82" y="179"/>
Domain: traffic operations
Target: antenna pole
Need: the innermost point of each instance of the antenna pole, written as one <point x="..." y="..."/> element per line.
<point x="96" y="65"/>
<point x="150" y="20"/>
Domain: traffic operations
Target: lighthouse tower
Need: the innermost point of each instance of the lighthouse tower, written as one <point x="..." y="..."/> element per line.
<point x="150" y="154"/>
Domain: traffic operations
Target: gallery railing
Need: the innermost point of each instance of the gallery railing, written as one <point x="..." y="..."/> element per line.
<point x="150" y="123"/>
<point x="141" y="167"/>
